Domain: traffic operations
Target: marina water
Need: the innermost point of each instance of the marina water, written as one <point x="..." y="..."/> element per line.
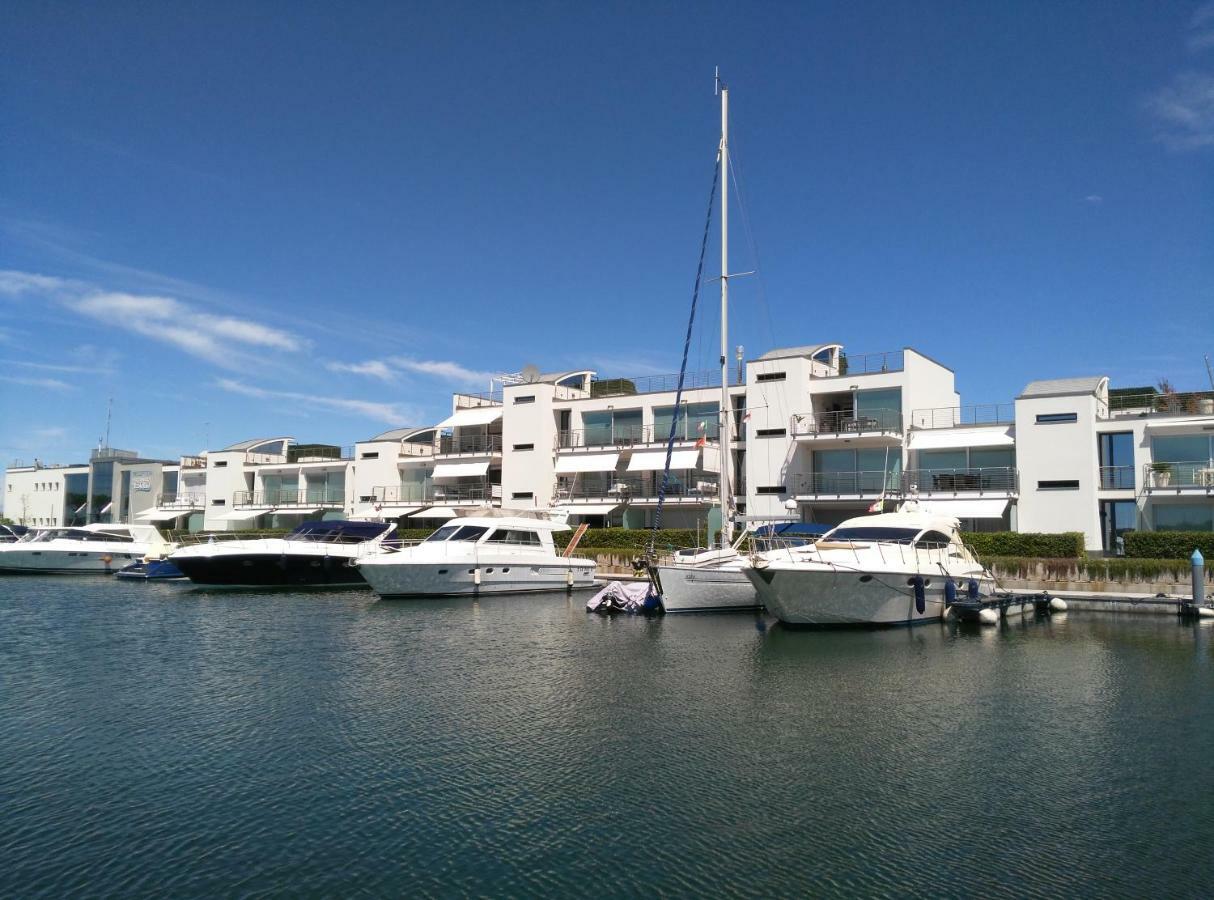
<point x="159" y="739"/>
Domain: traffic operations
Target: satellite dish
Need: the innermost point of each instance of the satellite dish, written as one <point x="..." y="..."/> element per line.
<point x="531" y="373"/>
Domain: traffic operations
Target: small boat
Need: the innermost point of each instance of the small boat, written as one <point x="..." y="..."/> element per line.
<point x="899" y="568"/>
<point x="315" y="554"/>
<point x="97" y="549"/>
<point x="151" y="570"/>
<point x="483" y="551"/>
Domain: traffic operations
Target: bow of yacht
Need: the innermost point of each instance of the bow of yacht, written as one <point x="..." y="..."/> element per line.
<point x="97" y="549"/>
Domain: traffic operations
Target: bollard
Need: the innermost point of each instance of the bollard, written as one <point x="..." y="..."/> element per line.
<point x="1199" y="578"/>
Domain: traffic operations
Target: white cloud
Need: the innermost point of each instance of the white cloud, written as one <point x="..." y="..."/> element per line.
<point x="380" y="412"/>
<point x="52" y="384"/>
<point x="1185" y="111"/>
<point x="52" y="367"/>
<point x="388" y="369"/>
<point x="50" y="433"/>
<point x="1094" y="199"/>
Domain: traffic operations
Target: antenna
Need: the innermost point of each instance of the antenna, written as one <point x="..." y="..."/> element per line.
<point x="1209" y="372"/>
<point x="109" y="413"/>
<point x="716" y="81"/>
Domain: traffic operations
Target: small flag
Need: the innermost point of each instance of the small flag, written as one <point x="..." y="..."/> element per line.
<point x="877" y="505"/>
<point x="747" y="416"/>
<point x="703" y="440"/>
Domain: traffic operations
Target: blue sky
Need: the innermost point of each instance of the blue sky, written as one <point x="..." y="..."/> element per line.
<point x="241" y="219"/>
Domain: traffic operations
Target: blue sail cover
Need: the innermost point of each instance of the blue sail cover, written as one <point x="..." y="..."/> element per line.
<point x="339" y="531"/>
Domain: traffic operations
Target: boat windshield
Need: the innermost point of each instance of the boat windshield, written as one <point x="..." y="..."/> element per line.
<point x="873" y="533"/>
<point x="443" y="533"/>
<point x="79" y="534"/>
<point x="469" y="533"/>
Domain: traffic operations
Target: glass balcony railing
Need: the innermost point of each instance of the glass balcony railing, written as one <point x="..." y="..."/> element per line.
<point x="847" y="423"/>
<point x="1179" y="475"/>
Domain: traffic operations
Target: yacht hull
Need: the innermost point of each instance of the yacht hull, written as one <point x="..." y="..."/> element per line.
<point x="64" y="562"/>
<point x="449" y="578"/>
<point x="693" y="589"/>
<point x="270" y="570"/>
<point x="797" y="596"/>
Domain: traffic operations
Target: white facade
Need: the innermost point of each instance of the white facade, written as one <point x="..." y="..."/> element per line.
<point x="819" y="435"/>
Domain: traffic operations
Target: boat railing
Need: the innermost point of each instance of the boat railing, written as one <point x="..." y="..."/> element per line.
<point x="847" y="422"/>
<point x="638" y="435"/>
<point x="963" y="416"/>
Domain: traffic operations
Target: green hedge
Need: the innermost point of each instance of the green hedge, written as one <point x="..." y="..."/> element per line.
<point x="1092" y="569"/>
<point x="1169" y="544"/>
<point x="1066" y="545"/>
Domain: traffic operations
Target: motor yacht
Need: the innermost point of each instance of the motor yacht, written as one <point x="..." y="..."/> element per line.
<point x="485" y="551"/>
<point x="97" y="549"/>
<point x="313" y="554"/>
<point x="898" y="568"/>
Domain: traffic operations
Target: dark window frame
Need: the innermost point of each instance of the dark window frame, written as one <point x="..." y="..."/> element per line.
<point x="1057" y="418"/>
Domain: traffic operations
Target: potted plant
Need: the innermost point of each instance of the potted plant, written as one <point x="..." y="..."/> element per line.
<point x="1162" y="473"/>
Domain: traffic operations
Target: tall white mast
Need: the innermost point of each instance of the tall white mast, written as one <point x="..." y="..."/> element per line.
<point x="726" y="404"/>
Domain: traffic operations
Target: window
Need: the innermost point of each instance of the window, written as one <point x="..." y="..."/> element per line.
<point x="370" y="455"/>
<point x="693" y="416"/>
<point x="219" y="502"/>
<point x="443" y="533"/>
<point x="522" y="495"/>
<point x="1116" y="518"/>
<point x="1116" y="461"/>
<point x="1183" y="517"/>
<point x="515" y="536"/>
<point x="771" y="432"/>
<point x="771" y="376"/>
<point x="526" y="398"/>
<point x="221" y="464"/>
<point x="933" y="540"/>
<point x="770" y="489"/>
<point x="469" y="533"/>
<point x="1063" y="485"/>
<point x="870" y="533"/>
<point x="1056" y="418"/>
<point x="524" y="446"/>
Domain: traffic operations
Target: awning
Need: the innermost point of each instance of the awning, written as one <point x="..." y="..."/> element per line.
<point x="655" y="460"/>
<point x="449" y="471"/>
<point x="589" y="509"/>
<point x="163" y="515"/>
<point x="1184" y="425"/>
<point x="966" y="509"/>
<point x="958" y="438"/>
<point x="240" y="515"/>
<point x="295" y="510"/>
<point x="478" y="415"/>
<point x="435" y="512"/>
<point x="587" y="462"/>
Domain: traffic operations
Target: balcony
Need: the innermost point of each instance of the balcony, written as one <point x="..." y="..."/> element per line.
<point x="183" y="501"/>
<point x="1195" y="477"/>
<point x="1116" y="478"/>
<point x="870" y="363"/>
<point x="469" y="445"/>
<point x="302" y="500"/>
<point x="1151" y="403"/>
<point x="964" y="416"/>
<point x="684" y="488"/>
<point x="424" y="495"/>
<point x="1002" y="481"/>
<point x="840" y="485"/>
<point x="658" y="384"/>
<point x="874" y="428"/>
<point x="636" y="436"/>
<point x="193" y="462"/>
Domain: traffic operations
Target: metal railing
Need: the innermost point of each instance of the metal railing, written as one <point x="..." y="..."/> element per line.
<point x="624" y="488"/>
<point x="637" y="435"/>
<point x="836" y="483"/>
<point x="185" y="500"/>
<point x="870" y="363"/>
<point x="1178" y="475"/>
<point x="847" y="422"/>
<point x="433" y="493"/>
<point x="990" y="479"/>
<point x="656" y="384"/>
<point x="466" y="400"/>
<point x="1116" y="478"/>
<point x="318" y="454"/>
<point x="1192" y="403"/>
<point x="453" y="445"/>
<point x="193" y="462"/>
<point x="960" y="416"/>
<point x="413" y="448"/>
<point x="289" y="498"/>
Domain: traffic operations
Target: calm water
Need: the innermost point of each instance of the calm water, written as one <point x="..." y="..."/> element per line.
<point x="157" y="739"/>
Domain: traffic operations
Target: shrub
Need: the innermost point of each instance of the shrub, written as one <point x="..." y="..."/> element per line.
<point x="1169" y="544"/>
<point x="1093" y="569"/>
<point x="1065" y="545"/>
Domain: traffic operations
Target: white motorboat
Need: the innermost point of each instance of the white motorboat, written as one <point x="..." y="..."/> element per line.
<point x="314" y="554"/>
<point x="485" y="551"/>
<point x="97" y="549"/>
<point x="897" y="568"/>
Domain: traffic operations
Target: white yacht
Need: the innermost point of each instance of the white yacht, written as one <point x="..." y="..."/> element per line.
<point x="97" y="549"/>
<point x="314" y="554"/>
<point x="885" y="569"/>
<point x="482" y="552"/>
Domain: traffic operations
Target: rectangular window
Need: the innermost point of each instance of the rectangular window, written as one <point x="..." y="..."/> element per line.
<point x="1056" y="418"/>
<point x="219" y="502"/>
<point x="1178" y="517"/>
<point x="771" y="376"/>
<point x="771" y="432"/>
<point x="371" y="455"/>
<point x="1064" y="485"/>
<point x="221" y="464"/>
<point x="524" y="446"/>
<point x="770" y="489"/>
<point x="522" y="495"/>
<point x="526" y="398"/>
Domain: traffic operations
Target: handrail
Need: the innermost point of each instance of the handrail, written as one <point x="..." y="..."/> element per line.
<point x="846" y="483"/>
<point x="847" y="422"/>
<point x="1175" y="475"/>
<point x="993" y="479"/>
<point x="637" y="435"/>
<point x="288" y="498"/>
<point x="453" y="445"/>
<point x="1190" y="403"/>
<point x="962" y="416"/>
<point x="435" y="493"/>
<point x="186" y="499"/>
<point x="1116" y="478"/>
<point x="625" y="487"/>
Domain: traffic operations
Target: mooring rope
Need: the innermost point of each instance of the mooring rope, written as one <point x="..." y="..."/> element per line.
<point x="678" y="396"/>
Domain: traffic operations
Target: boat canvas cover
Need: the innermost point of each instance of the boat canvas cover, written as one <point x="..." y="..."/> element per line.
<point x="449" y="471"/>
<point x="477" y="415"/>
<point x="655" y="460"/>
<point x="587" y="462"/>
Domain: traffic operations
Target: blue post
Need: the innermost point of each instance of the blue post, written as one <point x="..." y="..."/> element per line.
<point x="1199" y="578"/>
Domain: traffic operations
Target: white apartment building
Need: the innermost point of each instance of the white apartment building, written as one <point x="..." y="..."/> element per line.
<point x="819" y="435"/>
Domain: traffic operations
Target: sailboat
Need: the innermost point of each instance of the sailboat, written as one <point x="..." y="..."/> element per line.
<point x="714" y="579"/>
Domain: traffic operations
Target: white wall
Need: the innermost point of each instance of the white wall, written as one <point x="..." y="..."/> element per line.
<point x="36" y="496"/>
